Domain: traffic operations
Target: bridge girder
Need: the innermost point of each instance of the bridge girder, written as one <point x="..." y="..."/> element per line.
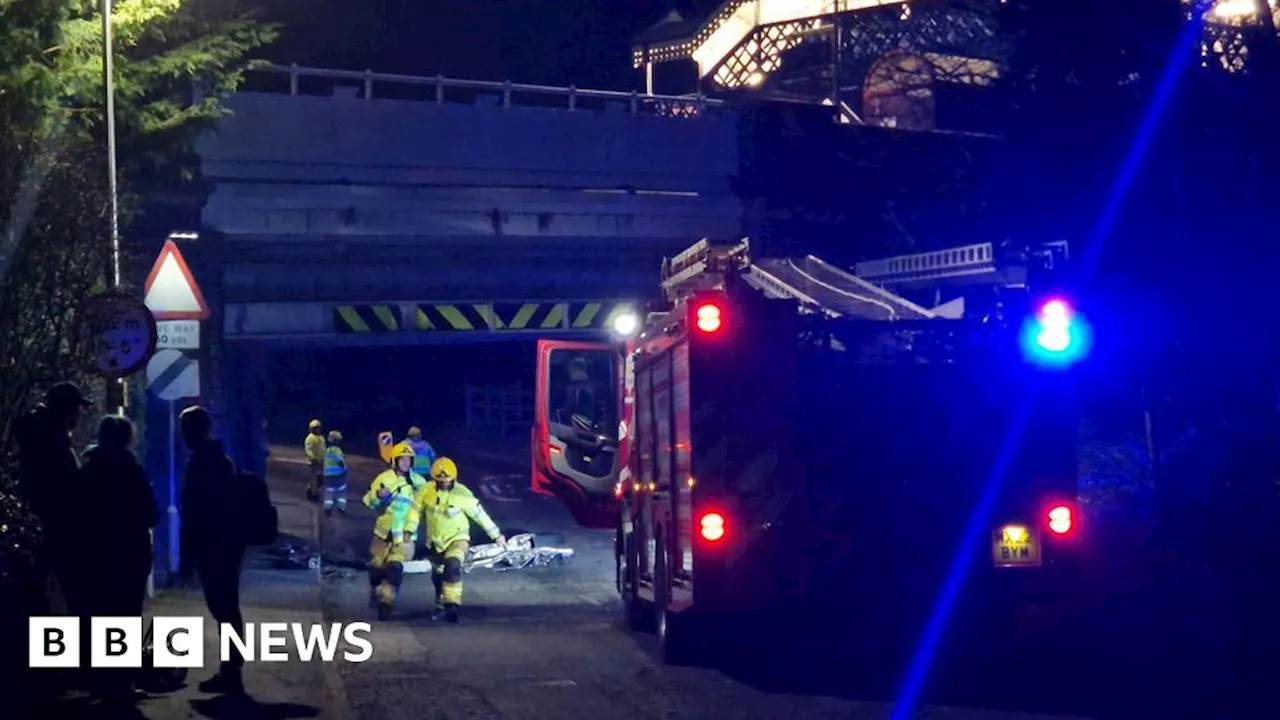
<point x="379" y="324"/>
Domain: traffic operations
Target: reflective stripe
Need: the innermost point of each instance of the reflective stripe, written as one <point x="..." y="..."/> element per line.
<point x="335" y="463"/>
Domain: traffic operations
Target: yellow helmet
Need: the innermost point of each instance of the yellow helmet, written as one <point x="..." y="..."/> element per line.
<point x="314" y="425"/>
<point x="415" y="432"/>
<point x="444" y="470"/>
<point x="335" y="436"/>
<point x="399" y="451"/>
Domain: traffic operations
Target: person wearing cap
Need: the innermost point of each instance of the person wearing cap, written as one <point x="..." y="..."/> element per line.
<point x="47" y="470"/>
<point x="313" y="448"/>
<point x="46" y="458"/>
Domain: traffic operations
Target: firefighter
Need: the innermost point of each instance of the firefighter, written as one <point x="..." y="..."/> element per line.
<point x="335" y="475"/>
<point x="391" y="496"/>
<point x="449" y="508"/>
<point x="424" y="454"/>
<point x="313" y="447"/>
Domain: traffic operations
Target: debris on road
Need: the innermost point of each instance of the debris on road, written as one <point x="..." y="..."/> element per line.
<point x="520" y="553"/>
<point x="292" y="554"/>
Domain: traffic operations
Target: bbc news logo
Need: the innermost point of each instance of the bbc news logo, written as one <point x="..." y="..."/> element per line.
<point x="179" y="642"/>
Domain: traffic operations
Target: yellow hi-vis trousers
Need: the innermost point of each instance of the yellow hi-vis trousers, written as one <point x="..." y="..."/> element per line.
<point x="446" y="573"/>
<point x="386" y="567"/>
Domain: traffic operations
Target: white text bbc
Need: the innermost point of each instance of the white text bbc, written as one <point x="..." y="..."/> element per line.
<point x="178" y="642"/>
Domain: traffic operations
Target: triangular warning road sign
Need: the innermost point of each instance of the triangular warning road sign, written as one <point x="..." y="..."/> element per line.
<point x="171" y="291"/>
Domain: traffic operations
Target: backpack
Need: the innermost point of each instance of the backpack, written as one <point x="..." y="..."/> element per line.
<point x="261" y="521"/>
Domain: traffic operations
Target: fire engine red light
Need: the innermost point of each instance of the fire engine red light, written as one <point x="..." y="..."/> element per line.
<point x="708" y="318"/>
<point x="1060" y="521"/>
<point x="712" y="525"/>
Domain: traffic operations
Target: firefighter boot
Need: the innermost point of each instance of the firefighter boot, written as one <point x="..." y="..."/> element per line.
<point x="451" y="581"/>
<point x="389" y="589"/>
<point x="437" y="579"/>
<point x="375" y="579"/>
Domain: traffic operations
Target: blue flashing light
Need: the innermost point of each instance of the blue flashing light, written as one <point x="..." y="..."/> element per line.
<point x="1056" y="336"/>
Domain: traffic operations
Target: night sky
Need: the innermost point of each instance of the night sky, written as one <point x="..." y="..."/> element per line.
<point x="559" y="42"/>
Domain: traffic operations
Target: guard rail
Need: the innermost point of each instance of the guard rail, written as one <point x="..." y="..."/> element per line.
<point x="370" y="85"/>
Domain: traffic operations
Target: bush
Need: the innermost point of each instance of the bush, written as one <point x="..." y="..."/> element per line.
<point x="19" y="532"/>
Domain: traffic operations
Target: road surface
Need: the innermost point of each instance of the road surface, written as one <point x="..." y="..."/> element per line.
<point x="532" y="644"/>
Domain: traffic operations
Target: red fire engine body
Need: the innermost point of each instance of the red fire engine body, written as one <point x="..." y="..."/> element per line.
<point x="756" y="454"/>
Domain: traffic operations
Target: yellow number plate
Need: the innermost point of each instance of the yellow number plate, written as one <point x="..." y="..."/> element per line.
<point x="1015" y="546"/>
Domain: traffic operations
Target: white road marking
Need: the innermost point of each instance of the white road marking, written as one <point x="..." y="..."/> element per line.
<point x="556" y="683"/>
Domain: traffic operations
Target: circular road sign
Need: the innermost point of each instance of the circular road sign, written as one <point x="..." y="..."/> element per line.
<point x="121" y="333"/>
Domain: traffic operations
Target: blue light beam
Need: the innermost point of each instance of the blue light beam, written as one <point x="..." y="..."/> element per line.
<point x="922" y="660"/>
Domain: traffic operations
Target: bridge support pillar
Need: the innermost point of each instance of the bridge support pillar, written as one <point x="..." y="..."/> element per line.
<point x="245" y="372"/>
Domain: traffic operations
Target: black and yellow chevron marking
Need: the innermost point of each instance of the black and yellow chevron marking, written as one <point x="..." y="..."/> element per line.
<point x="454" y="317"/>
<point x="366" y="318"/>
<point x="534" y="316"/>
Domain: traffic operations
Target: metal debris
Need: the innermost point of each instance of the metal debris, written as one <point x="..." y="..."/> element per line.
<point x="520" y="553"/>
<point x="292" y="555"/>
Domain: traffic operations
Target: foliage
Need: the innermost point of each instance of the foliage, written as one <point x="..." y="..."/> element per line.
<point x="50" y="277"/>
<point x="174" y="61"/>
<point x="19" y="529"/>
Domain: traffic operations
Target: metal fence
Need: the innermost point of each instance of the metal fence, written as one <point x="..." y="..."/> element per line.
<point x="387" y="86"/>
<point x="504" y="411"/>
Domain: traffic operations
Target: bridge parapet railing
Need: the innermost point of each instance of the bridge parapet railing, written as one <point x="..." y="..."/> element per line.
<point x="369" y="85"/>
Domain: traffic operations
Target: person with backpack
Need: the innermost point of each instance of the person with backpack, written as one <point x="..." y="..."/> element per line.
<point x="222" y="513"/>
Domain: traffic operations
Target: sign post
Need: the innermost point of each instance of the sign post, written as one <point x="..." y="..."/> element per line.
<point x="174" y="298"/>
<point x="173" y="376"/>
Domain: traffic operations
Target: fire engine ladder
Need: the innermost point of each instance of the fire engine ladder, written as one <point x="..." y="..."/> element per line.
<point x="820" y="286"/>
<point x="837" y="292"/>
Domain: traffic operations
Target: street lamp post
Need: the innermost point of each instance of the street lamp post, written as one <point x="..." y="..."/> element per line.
<point x="108" y="77"/>
<point x="115" y="388"/>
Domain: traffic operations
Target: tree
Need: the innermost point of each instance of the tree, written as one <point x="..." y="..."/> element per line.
<point x="175" y="60"/>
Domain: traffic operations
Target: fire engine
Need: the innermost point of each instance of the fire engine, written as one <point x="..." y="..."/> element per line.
<point x="782" y="436"/>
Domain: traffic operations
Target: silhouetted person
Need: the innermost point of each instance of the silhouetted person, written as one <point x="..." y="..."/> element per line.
<point x="211" y="544"/>
<point x="47" y="468"/>
<point x="115" y="513"/>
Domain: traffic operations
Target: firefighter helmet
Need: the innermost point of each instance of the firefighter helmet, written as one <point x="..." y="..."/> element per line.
<point x="314" y="425"/>
<point x="401" y="450"/>
<point x="444" y="470"/>
<point x="415" y="432"/>
<point x="335" y="436"/>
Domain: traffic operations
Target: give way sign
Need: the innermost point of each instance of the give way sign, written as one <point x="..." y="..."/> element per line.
<point x="171" y="292"/>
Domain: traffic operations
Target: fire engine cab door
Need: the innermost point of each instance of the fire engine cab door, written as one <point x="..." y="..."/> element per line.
<point x="575" y="423"/>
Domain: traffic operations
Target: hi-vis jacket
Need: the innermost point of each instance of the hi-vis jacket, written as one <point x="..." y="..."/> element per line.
<point x="313" y="446"/>
<point x="423" y="456"/>
<point x="335" y="462"/>
<point x="394" y="512"/>
<point x="449" y="514"/>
